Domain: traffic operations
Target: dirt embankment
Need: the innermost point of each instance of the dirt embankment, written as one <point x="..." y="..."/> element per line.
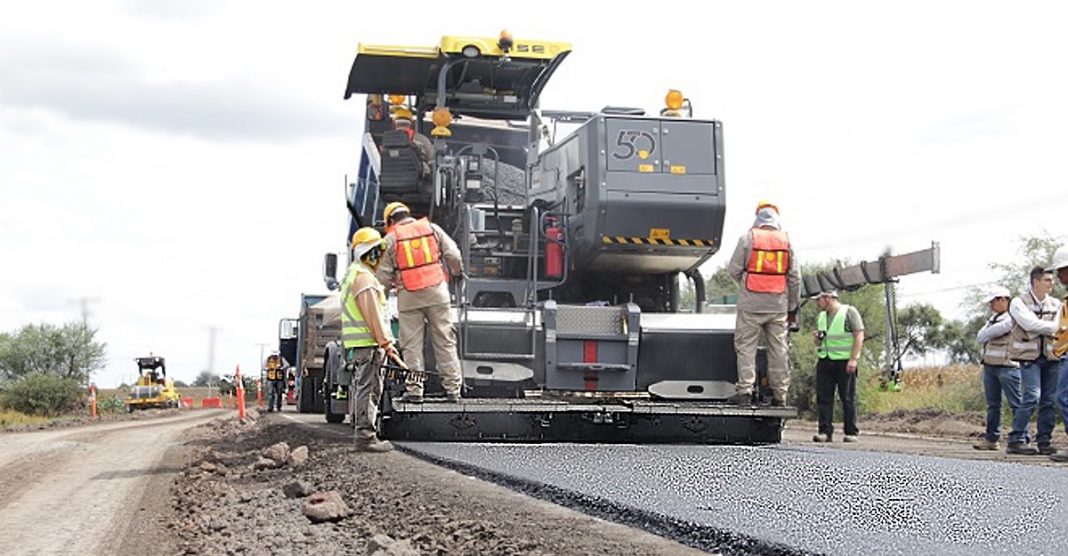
<point x="928" y="422"/>
<point x="396" y="504"/>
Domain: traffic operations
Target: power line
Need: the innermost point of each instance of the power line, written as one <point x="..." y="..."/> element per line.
<point x="84" y="302"/>
<point x="954" y="288"/>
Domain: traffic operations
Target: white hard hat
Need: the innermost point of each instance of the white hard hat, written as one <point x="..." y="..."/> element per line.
<point x="996" y="292"/>
<point x="1060" y="259"/>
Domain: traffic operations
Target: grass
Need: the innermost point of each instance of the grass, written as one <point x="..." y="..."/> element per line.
<point x="12" y="418"/>
<point x="955" y="388"/>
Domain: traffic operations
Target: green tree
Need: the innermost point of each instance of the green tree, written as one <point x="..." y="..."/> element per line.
<point x="67" y="351"/>
<point x="958" y="340"/>
<point x="206" y="378"/>
<point x="919" y="329"/>
<point x="1033" y="251"/>
<point x="719" y="288"/>
<point x="42" y="394"/>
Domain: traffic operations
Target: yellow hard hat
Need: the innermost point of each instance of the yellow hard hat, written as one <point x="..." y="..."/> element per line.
<point x="394" y="207"/>
<point x="365" y="236"/>
<point x="402" y="113"/>
<point x="767" y="204"/>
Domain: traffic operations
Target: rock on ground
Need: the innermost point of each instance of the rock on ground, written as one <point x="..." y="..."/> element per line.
<point x="325" y="506"/>
<point x="298" y="457"/>
<point x="297" y="489"/>
<point x="384" y="545"/>
<point x="278" y="452"/>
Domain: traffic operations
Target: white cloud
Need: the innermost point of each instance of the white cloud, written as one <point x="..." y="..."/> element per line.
<point x="185" y="168"/>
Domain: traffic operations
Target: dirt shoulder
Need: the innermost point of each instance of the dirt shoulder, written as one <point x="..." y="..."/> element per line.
<point x="223" y="506"/>
<point x="923" y="432"/>
<point x="82" y="420"/>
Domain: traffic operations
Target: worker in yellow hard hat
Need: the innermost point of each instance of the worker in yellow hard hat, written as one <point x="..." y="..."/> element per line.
<point x="365" y="334"/>
<point x="418" y="259"/>
<point x="402" y="120"/>
<point x="769" y="297"/>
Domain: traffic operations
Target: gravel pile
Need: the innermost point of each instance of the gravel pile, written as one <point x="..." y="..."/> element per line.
<point x="340" y="501"/>
<point x="512" y="187"/>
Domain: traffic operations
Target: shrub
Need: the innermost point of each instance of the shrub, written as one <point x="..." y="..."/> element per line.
<point x="41" y="394"/>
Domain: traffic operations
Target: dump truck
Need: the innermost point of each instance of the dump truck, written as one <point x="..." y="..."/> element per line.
<point x="569" y="319"/>
<point x="153" y="388"/>
<point x="303" y="341"/>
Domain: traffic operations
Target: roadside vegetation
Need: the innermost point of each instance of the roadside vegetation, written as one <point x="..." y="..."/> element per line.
<point x="44" y="370"/>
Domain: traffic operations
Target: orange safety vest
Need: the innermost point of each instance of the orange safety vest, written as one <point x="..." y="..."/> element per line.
<point x="769" y="261"/>
<point x="418" y="255"/>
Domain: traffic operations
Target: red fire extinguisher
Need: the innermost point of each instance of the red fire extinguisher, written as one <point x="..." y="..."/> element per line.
<point x="554" y="250"/>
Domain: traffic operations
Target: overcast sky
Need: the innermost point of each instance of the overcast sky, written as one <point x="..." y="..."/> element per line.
<point x="181" y="163"/>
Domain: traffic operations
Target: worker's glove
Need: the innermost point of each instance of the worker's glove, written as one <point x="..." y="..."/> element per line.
<point x="792" y="321"/>
<point x="393" y="355"/>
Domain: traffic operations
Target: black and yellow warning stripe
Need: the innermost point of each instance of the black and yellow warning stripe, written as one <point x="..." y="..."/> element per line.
<point x="624" y="240"/>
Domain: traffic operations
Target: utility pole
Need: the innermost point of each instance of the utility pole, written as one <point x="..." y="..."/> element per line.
<point x="211" y="348"/>
<point x="84" y="303"/>
<point x="262" y="345"/>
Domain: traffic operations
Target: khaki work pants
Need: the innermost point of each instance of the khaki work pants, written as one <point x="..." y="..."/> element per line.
<point x="367" y="383"/>
<point x="747" y="331"/>
<point x="436" y="318"/>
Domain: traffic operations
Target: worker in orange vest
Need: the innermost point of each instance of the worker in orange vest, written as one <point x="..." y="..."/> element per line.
<point x="763" y="264"/>
<point x="418" y="260"/>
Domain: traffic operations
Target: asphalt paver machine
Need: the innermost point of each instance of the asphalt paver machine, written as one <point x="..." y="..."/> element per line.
<point x="569" y="321"/>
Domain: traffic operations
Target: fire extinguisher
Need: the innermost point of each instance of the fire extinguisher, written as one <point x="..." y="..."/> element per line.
<point x="554" y="250"/>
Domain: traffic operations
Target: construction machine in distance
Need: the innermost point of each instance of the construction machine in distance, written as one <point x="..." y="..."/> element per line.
<point x="153" y="388"/>
<point x="302" y="341"/>
<point x="569" y="320"/>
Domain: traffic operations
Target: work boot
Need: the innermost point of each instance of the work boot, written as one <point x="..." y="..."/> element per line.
<point x="409" y="397"/>
<point x="850" y="438"/>
<point x="986" y="445"/>
<point x="373" y="445"/>
<point x="821" y="438"/>
<point x="740" y="399"/>
<point x="1046" y="449"/>
<point x="453" y="397"/>
<point x="1021" y="449"/>
<point x="1059" y="458"/>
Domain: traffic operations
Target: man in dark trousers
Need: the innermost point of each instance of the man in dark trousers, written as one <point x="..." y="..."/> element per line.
<point x="275" y="368"/>
<point x="839" y="340"/>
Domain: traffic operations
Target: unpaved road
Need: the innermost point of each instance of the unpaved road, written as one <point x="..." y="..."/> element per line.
<point x="78" y="491"/>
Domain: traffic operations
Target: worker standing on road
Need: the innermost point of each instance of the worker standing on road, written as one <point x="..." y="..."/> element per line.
<point x="1001" y="375"/>
<point x="1034" y="315"/>
<point x="1060" y="346"/>
<point x="275" y="369"/>
<point x="365" y="334"/>
<point x="415" y="260"/>
<point x="839" y="338"/>
<point x="763" y="264"/>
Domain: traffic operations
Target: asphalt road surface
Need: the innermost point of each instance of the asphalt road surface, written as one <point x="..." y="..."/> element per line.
<point x="790" y="498"/>
<point x="79" y="490"/>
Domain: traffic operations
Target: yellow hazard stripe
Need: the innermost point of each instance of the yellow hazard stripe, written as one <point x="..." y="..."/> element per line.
<point x="627" y="240"/>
